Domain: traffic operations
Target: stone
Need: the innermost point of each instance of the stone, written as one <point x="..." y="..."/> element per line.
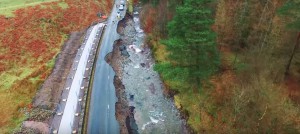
<point x="122" y="48"/>
<point x="143" y="64"/>
<point x="125" y="53"/>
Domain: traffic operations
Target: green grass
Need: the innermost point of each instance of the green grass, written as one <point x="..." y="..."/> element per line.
<point x="51" y="63"/>
<point x="8" y="78"/>
<point x="8" y="6"/>
<point x="63" y="5"/>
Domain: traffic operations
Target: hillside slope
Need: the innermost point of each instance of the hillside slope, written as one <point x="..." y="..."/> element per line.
<point x="29" y="43"/>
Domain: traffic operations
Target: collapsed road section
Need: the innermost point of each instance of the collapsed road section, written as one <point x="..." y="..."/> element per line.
<point x="101" y="118"/>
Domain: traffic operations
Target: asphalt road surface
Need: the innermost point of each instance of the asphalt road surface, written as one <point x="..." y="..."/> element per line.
<point x="68" y="115"/>
<point x="102" y="118"/>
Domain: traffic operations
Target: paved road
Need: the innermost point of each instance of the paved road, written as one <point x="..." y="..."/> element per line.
<point x="102" y="118"/>
<point x="72" y="101"/>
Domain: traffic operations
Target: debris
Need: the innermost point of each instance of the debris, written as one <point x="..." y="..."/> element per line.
<point x="153" y="120"/>
<point x="104" y="17"/>
<point x="135" y="48"/>
<point x="131" y="46"/>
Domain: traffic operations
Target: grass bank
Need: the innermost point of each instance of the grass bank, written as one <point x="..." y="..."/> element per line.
<point x="29" y="42"/>
<point x="7" y="7"/>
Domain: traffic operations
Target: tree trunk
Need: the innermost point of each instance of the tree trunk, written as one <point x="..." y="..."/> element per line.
<point x="287" y="69"/>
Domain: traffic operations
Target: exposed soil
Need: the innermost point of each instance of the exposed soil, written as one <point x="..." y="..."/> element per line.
<point x="114" y="59"/>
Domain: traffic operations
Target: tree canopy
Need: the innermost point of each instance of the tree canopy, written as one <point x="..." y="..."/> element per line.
<point x="291" y="10"/>
<point x="191" y="43"/>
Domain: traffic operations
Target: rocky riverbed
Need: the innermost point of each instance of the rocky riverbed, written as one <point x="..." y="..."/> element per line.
<point x="142" y="107"/>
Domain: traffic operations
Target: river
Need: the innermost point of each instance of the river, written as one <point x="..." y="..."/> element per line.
<point x="153" y="113"/>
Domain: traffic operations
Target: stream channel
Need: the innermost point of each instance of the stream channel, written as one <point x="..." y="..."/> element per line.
<point x="148" y="110"/>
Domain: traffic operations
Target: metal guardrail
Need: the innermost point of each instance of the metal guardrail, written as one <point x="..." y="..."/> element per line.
<point x="79" y="110"/>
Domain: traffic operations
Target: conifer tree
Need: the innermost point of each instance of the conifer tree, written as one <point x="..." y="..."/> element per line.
<point x="191" y="43"/>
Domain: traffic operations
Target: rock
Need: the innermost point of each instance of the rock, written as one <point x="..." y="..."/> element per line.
<point x="122" y="48"/>
<point x="131" y="97"/>
<point x="152" y="88"/>
<point x="143" y="64"/>
<point x="125" y="53"/>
